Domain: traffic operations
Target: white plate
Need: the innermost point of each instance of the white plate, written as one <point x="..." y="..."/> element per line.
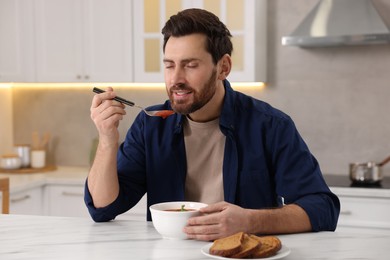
<point x="283" y="252"/>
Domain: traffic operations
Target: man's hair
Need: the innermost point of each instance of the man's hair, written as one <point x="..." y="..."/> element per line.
<point x="195" y="20"/>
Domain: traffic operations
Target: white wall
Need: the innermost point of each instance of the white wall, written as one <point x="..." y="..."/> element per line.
<point x="339" y="97"/>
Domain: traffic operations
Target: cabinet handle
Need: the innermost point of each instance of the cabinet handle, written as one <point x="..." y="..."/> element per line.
<point x="78" y="76"/>
<point x="346" y="212"/>
<point x="86" y="77"/>
<point x="25" y="197"/>
<point x="72" y="194"/>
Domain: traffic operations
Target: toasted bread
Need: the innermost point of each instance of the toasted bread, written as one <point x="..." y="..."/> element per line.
<point x="248" y="246"/>
<point x="227" y="246"/>
<point x="270" y="245"/>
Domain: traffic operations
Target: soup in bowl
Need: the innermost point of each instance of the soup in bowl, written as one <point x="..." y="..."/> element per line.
<point x="169" y="218"/>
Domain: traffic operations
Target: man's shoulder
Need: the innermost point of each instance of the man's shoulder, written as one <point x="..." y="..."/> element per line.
<point x="258" y="108"/>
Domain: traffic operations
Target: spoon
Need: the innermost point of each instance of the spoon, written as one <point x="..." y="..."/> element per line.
<point x="161" y="113"/>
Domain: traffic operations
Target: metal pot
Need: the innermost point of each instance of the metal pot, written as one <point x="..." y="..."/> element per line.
<point x="367" y="173"/>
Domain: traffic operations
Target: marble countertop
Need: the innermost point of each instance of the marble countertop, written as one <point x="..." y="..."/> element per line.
<point x="40" y="237"/>
<point x="66" y="175"/>
<point x="70" y="175"/>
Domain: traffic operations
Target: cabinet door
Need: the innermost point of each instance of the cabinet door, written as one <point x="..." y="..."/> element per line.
<point x="59" y="40"/>
<point x="65" y="201"/>
<point x="108" y="43"/>
<point x="364" y="212"/>
<point x="28" y="202"/>
<point x="83" y="40"/>
<point x="16" y="44"/>
<point x="245" y="19"/>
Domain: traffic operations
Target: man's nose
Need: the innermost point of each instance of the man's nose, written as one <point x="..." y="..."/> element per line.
<point x="177" y="76"/>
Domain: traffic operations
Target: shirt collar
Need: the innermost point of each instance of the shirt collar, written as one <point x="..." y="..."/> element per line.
<point x="227" y="116"/>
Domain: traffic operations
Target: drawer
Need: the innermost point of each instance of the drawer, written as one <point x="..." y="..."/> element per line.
<point x="66" y="201"/>
<point x="28" y="202"/>
<point x="364" y="212"/>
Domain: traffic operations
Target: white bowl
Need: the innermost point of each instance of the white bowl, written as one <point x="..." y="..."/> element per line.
<point x="170" y="224"/>
<point x="10" y="162"/>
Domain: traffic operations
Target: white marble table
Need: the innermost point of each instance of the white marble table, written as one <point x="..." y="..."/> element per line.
<point x="41" y="237"/>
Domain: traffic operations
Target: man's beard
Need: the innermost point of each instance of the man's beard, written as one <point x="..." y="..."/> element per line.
<point x="200" y="98"/>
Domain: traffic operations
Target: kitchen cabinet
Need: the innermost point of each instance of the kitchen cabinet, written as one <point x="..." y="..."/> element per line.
<point x="245" y="19"/>
<point x="83" y="40"/>
<point x="115" y="41"/>
<point x="65" y="200"/>
<point x="27" y="202"/>
<point x="16" y="44"/>
<point x="365" y="212"/>
<point x="364" y="207"/>
<point x="57" y="193"/>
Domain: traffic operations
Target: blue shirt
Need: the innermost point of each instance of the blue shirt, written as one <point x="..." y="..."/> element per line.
<point x="266" y="162"/>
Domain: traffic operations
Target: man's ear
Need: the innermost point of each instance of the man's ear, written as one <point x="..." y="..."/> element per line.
<point x="225" y="65"/>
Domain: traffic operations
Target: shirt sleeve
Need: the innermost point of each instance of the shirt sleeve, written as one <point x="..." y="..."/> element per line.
<point x="101" y="214"/>
<point x="299" y="178"/>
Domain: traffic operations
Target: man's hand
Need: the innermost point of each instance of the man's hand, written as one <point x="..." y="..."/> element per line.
<point x="106" y="114"/>
<point x="219" y="220"/>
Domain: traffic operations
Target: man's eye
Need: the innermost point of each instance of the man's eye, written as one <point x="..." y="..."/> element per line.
<point x="192" y="65"/>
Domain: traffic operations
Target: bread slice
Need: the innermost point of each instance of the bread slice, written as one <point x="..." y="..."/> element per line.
<point x="248" y="246"/>
<point x="270" y="245"/>
<point x="227" y="246"/>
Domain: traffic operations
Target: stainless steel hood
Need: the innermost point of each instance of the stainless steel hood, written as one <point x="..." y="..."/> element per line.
<point x="340" y="22"/>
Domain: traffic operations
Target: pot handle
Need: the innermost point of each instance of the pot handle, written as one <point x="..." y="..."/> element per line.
<point x="384" y="161"/>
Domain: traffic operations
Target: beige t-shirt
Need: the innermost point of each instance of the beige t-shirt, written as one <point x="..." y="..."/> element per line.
<point x="205" y="146"/>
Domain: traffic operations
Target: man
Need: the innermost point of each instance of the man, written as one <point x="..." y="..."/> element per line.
<point x="239" y="155"/>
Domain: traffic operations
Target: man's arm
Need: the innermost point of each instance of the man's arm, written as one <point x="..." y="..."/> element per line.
<point x="102" y="181"/>
<point x="287" y="219"/>
<point x="223" y="219"/>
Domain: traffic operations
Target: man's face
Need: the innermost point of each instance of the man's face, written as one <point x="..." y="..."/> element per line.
<point x="190" y="74"/>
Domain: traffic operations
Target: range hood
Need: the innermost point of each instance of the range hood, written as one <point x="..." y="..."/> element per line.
<point x="340" y="22"/>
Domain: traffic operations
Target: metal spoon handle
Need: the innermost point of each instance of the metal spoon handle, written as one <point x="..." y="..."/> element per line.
<point x="160" y="113"/>
<point x="119" y="99"/>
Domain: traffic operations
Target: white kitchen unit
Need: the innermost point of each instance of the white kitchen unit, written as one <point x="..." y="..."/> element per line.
<point x="83" y="40"/>
<point x="31" y="193"/>
<point x="245" y="19"/>
<point x="57" y="193"/>
<point x="65" y="41"/>
<point x="61" y="193"/>
<point x="364" y="207"/>
<point x="115" y="41"/>
<point x="27" y="202"/>
<point x="16" y="44"/>
<point x="65" y="200"/>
